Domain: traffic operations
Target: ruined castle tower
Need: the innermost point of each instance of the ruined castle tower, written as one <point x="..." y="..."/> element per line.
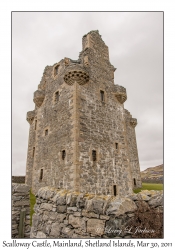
<point x="81" y="138"/>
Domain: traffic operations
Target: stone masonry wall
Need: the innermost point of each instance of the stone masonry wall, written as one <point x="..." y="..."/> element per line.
<point x="132" y="149"/>
<point x="66" y="214"/>
<point x="54" y="117"/>
<point x="101" y="125"/>
<point x="79" y="111"/>
<point x="20" y="201"/>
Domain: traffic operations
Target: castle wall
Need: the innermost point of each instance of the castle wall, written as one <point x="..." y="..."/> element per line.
<point x="102" y="125"/>
<point x="54" y="117"/>
<point x="132" y="149"/>
<point x="79" y="111"/>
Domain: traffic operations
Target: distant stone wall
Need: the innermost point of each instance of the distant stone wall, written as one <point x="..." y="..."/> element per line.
<point x="18" y="179"/>
<point x="66" y="214"/>
<point x="152" y="180"/>
<point x="20" y="205"/>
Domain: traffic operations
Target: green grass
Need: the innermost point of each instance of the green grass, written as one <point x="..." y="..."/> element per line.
<point x="32" y="203"/>
<point x="149" y="186"/>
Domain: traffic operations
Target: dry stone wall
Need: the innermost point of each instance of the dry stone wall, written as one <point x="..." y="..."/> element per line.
<point x="18" y="179"/>
<point x="20" y="204"/>
<point x="66" y="214"/>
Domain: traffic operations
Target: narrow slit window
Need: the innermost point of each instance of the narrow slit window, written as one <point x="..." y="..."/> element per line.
<point x="94" y="155"/>
<point x="56" y="70"/>
<point x="33" y="151"/>
<point x="134" y="181"/>
<point x="35" y="124"/>
<point x="46" y="132"/>
<point x="63" y="154"/>
<point x="115" y="190"/>
<point x="116" y="145"/>
<point x="41" y="175"/>
<point x="102" y="95"/>
<point x="57" y="96"/>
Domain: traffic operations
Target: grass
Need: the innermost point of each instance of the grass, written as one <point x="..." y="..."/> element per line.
<point x="32" y="203"/>
<point x="149" y="186"/>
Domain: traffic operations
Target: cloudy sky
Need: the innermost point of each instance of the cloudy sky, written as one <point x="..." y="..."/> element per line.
<point x="135" y="41"/>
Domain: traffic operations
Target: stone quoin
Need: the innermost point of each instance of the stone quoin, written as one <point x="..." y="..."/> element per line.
<point x="81" y="138"/>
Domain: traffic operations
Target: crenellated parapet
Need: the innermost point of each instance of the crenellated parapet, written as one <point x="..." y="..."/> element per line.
<point x="76" y="73"/>
<point x="38" y="98"/>
<point x="30" y="116"/>
<point x="120" y="93"/>
<point x="133" y="122"/>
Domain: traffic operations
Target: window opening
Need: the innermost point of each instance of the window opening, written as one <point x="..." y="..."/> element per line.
<point x="115" y="190"/>
<point x="57" y="96"/>
<point x="94" y="155"/>
<point x="134" y="182"/>
<point x="102" y="95"/>
<point x="35" y="124"/>
<point x="56" y="70"/>
<point x="63" y="154"/>
<point x="33" y="151"/>
<point x="41" y="174"/>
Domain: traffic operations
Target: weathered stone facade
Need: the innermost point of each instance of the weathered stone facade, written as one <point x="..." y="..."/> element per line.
<point x="81" y="138"/>
<point x="66" y="214"/>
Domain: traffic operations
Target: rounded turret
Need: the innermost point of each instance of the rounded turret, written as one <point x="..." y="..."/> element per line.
<point x="38" y="97"/>
<point x="30" y="116"/>
<point x="120" y="93"/>
<point x="133" y="122"/>
<point x="76" y="73"/>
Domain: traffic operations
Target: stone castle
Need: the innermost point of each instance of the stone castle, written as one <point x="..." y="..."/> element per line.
<point x="81" y="137"/>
